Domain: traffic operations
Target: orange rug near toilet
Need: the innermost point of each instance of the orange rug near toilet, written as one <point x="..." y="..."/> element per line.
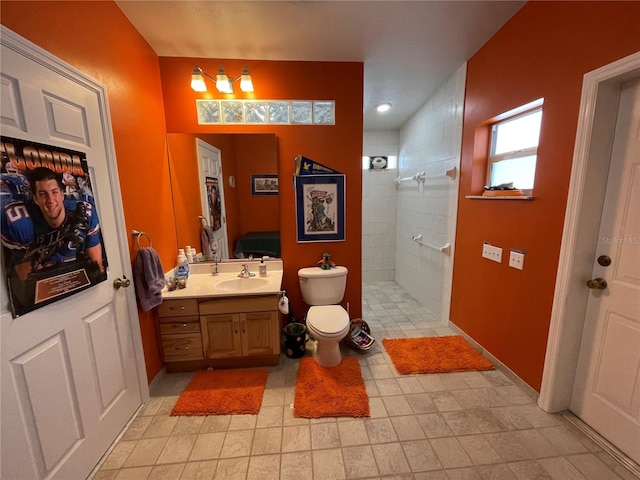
<point x="330" y="391"/>
<point x="223" y="392"/>
<point x="434" y="355"/>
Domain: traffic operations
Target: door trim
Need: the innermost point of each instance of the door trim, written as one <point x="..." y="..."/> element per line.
<point x="592" y="153"/>
<point x="24" y="47"/>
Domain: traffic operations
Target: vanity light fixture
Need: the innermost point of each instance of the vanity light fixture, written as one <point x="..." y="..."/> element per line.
<point x="383" y="107"/>
<point x="224" y="84"/>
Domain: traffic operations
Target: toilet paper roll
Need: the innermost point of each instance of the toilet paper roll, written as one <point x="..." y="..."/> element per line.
<point x="283" y="305"/>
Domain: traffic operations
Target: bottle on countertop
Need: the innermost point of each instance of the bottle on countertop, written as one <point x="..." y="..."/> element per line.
<point x="182" y="269"/>
<point x="262" y="268"/>
<point x="188" y="251"/>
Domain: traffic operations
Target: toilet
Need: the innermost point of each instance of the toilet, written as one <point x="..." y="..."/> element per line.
<point x="327" y="321"/>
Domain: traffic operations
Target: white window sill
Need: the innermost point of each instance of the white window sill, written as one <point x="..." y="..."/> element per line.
<point x="513" y="197"/>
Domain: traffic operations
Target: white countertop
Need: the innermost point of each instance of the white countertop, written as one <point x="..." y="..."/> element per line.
<point x="202" y="283"/>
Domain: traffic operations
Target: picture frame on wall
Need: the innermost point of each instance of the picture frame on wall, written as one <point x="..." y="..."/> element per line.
<point x="264" y="184"/>
<point x="320" y="208"/>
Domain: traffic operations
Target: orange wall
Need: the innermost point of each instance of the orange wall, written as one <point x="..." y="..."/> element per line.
<point x="543" y="51"/>
<point x="96" y="38"/>
<point x="338" y="146"/>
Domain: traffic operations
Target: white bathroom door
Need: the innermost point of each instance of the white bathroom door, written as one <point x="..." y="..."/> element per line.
<point x="606" y="391"/>
<point x="210" y="166"/>
<point x="70" y="378"/>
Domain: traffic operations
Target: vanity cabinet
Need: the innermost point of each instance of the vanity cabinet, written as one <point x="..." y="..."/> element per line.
<point x="222" y="332"/>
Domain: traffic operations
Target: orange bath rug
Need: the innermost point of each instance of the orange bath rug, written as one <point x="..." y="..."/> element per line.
<point x="330" y="391"/>
<point x="223" y="392"/>
<point x="434" y="355"/>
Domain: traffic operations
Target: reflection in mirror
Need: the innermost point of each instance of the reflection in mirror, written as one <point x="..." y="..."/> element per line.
<point x="251" y="211"/>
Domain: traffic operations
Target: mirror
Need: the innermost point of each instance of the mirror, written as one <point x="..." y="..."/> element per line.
<point x="251" y="211"/>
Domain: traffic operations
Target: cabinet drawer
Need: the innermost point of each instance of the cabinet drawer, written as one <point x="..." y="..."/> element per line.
<point x="182" y="347"/>
<point x="188" y="324"/>
<point x="239" y="304"/>
<point x="174" y="308"/>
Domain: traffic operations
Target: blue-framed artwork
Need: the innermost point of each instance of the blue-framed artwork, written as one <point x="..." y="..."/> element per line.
<point x="320" y="208"/>
<point x="264" y="184"/>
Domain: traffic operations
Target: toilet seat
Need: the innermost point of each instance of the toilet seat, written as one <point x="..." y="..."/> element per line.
<point x="328" y="320"/>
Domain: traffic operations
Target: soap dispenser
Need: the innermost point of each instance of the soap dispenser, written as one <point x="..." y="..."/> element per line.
<point x="262" y="268"/>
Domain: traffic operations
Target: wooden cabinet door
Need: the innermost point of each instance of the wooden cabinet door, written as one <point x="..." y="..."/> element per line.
<point x="260" y="333"/>
<point x="221" y="335"/>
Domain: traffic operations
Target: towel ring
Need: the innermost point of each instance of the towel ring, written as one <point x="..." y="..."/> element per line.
<point x="138" y="234"/>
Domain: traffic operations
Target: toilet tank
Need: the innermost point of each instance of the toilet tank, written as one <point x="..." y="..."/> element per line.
<point x="322" y="287"/>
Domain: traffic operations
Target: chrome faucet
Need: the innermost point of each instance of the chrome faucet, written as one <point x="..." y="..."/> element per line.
<point x="215" y="268"/>
<point x="245" y="273"/>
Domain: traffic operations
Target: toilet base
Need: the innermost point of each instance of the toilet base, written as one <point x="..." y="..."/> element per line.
<point x="327" y="354"/>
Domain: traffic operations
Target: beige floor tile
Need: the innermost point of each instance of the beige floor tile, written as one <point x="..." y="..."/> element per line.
<point x="461" y="422"/>
<point x="243" y="422"/>
<point x="296" y="466"/>
<point x="434" y="425"/>
<point x="177" y="449"/>
<point x="559" y="468"/>
<point x="420" y="455"/>
<point x="237" y="444"/>
<point x="136" y="473"/>
<point x="388" y="387"/>
<point x="410" y="385"/>
<point x="137" y="428"/>
<point x="264" y="467"/>
<point x="146" y="452"/>
<point x="270" y="417"/>
<point x="266" y="441"/>
<point x="325" y="435"/>
<point x="160" y="426"/>
<point x="421" y="403"/>
<point x="407" y="428"/>
<point x="377" y="408"/>
<point x="359" y="462"/>
<point x="450" y="452"/>
<point x="479" y="449"/>
<point x="207" y="446"/>
<point x="591" y="466"/>
<point x="232" y="469"/>
<point x="397" y="405"/>
<point x="353" y="432"/>
<point x="380" y="430"/>
<point x="215" y="423"/>
<point x="162" y="472"/>
<point x="390" y="459"/>
<point x="188" y="424"/>
<point x="199" y="470"/>
<point x="296" y="438"/>
<point x="463" y="474"/>
<point x="119" y="455"/>
<point x="328" y="464"/>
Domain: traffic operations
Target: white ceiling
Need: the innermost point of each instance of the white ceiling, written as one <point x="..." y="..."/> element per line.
<point x="409" y="48"/>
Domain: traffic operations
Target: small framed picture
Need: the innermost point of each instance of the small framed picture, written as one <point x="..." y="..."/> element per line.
<point x="320" y="208"/>
<point x="264" y="184"/>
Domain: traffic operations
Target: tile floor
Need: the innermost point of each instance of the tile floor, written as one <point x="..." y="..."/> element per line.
<point x="472" y="425"/>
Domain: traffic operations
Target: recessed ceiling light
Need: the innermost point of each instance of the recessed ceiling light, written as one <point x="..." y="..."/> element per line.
<point x="383" y="107"/>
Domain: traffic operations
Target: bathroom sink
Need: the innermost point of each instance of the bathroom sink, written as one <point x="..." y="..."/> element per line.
<point x="241" y="284"/>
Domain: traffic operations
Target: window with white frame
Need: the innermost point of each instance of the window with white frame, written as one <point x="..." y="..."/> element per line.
<point x="391" y="162"/>
<point x="514" y="147"/>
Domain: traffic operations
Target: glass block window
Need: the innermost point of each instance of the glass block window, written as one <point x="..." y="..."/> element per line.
<point x="277" y="112"/>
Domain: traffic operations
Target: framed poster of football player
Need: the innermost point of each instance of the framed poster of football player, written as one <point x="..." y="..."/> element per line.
<point x="215" y="202"/>
<point x="51" y="239"/>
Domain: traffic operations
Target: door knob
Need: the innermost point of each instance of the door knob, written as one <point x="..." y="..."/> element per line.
<point x="604" y="260"/>
<point x="597" y="283"/>
<point x="121" y="282"/>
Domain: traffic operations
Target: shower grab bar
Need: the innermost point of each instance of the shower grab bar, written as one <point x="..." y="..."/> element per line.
<point x="418" y="177"/>
<point x="446" y="248"/>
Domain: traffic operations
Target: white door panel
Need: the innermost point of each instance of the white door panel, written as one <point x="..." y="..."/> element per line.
<point x="70" y="375"/>
<point x="210" y="165"/>
<point x="607" y="384"/>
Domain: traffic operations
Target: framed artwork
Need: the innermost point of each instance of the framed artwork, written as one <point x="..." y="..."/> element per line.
<point x="264" y="184"/>
<point x="320" y="208"/>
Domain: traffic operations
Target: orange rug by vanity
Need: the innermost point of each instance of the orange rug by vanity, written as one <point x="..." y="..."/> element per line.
<point x="434" y="355"/>
<point x="330" y="391"/>
<point x="223" y="392"/>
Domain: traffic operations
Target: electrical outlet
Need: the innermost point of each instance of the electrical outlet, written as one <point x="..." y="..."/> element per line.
<point x="516" y="260"/>
<point x="492" y="253"/>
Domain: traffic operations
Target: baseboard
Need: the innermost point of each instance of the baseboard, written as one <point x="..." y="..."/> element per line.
<point x="603" y="443"/>
<point x="532" y="393"/>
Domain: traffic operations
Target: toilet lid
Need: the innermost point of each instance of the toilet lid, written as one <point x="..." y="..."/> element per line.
<point x="328" y="318"/>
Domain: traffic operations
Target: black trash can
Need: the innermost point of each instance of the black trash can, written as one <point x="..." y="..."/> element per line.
<point x="295" y="339"/>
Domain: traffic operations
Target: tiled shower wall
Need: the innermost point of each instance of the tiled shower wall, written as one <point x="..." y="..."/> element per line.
<point x="430" y="141"/>
<point x="379" y="209"/>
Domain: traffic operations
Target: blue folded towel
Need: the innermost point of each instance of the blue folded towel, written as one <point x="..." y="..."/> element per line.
<point x="148" y="278"/>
